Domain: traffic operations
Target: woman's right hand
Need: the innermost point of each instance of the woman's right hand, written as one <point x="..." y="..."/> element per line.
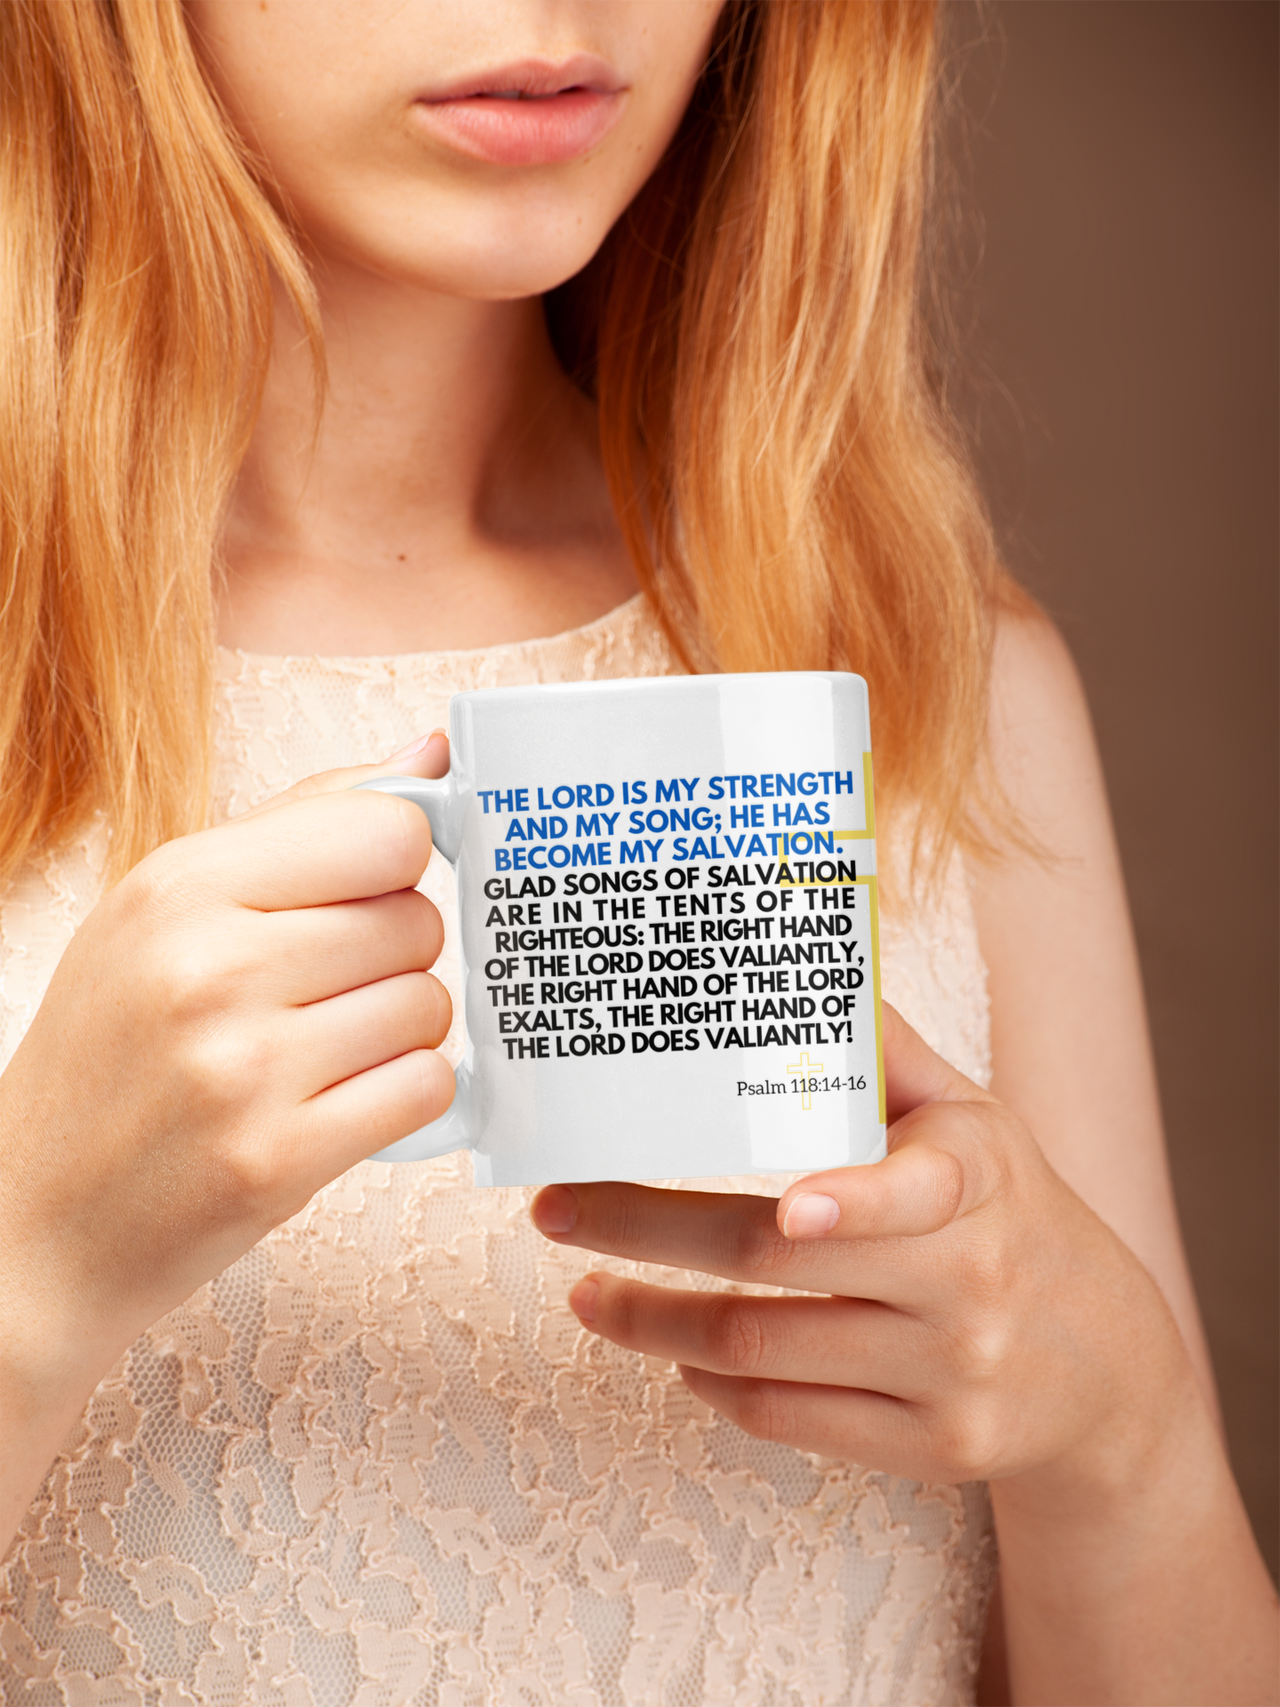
<point x="241" y="1019"/>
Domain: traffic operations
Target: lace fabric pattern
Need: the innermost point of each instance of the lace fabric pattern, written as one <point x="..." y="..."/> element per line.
<point x="377" y="1462"/>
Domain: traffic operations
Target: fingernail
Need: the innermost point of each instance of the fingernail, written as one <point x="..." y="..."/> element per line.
<point x="811" y="1215"/>
<point x="415" y="747"/>
<point x="555" y="1209"/>
<point x="583" y="1299"/>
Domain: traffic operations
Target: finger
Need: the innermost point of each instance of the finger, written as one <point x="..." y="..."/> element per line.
<point x="948" y="1161"/>
<point x="842" y="1342"/>
<point x="428" y="756"/>
<point x="721" y="1233"/>
<point x="359" y="1029"/>
<point x="365" y="1113"/>
<point x="306" y="853"/>
<point x="315" y="952"/>
<point x="856" y="1426"/>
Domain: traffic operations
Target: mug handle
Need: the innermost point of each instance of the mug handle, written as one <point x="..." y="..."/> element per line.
<point x="442" y="801"/>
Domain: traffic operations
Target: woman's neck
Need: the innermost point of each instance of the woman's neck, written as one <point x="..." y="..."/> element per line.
<point x="450" y="496"/>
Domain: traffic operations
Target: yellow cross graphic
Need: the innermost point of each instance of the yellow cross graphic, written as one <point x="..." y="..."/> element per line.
<point x="806" y="1066"/>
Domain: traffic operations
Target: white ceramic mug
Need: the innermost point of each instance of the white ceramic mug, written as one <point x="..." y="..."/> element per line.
<point x="667" y="897"/>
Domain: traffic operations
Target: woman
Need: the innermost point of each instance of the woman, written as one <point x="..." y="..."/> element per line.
<point x="287" y="1427"/>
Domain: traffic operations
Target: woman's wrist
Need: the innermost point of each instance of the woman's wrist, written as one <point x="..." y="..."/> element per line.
<point x="55" y="1345"/>
<point x="50" y="1363"/>
<point x="1135" y="1450"/>
<point x="1128" y="1569"/>
<point x="56" y="1339"/>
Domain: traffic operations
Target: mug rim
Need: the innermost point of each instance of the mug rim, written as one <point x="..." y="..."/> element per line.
<point x="657" y="684"/>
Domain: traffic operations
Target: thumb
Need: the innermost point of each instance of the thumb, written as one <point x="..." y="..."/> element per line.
<point x="428" y="756"/>
<point x="940" y="1163"/>
<point x="914" y="1075"/>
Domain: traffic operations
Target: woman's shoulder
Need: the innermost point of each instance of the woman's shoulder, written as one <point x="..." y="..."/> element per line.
<point x="1041" y="733"/>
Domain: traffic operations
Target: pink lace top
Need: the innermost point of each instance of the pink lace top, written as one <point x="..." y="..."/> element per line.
<point x="377" y="1462"/>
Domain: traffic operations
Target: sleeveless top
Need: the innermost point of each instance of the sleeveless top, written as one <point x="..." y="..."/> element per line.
<point x="377" y="1463"/>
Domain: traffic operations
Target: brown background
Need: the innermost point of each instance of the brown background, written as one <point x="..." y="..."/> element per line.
<point x="1122" y="158"/>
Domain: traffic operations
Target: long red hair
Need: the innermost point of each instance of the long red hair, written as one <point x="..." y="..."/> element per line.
<point x="788" y="482"/>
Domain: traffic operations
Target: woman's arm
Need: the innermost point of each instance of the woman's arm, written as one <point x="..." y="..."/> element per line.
<point x="1070" y="1048"/>
<point x="1072" y="1056"/>
<point x="240" y="1020"/>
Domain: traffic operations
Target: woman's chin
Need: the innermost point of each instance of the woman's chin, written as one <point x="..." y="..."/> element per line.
<point x="509" y="251"/>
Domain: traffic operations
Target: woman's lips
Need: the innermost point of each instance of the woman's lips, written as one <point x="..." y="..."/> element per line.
<point x="531" y="114"/>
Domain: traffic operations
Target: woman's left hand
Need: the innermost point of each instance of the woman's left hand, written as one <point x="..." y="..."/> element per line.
<point x="976" y="1320"/>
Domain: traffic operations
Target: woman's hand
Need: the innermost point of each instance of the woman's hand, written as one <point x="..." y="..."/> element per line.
<point x="240" y="1020"/>
<point x="976" y="1319"/>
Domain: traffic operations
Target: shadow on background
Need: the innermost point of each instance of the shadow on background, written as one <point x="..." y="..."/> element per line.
<point x="1122" y="159"/>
